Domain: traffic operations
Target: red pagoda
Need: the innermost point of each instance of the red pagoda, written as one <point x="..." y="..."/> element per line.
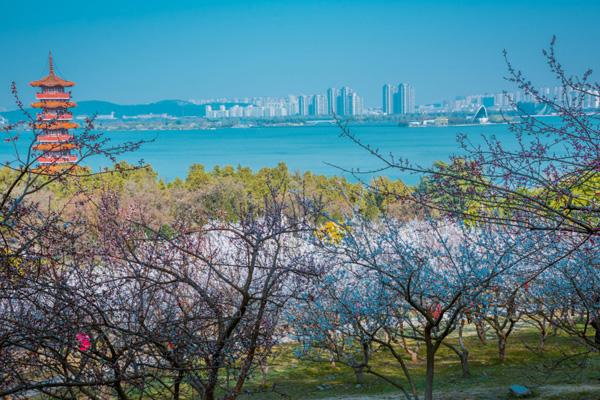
<point x="54" y="141"/>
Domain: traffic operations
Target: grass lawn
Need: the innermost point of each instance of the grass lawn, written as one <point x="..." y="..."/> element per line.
<point x="297" y="379"/>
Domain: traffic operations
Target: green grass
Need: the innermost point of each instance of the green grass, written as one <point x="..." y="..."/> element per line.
<point x="489" y="378"/>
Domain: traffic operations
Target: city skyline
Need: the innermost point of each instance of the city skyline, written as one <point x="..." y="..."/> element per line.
<point x="344" y="103"/>
<point x="140" y="52"/>
<point x="396" y="100"/>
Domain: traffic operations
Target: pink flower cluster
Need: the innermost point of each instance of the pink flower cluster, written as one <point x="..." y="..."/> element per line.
<point x="84" y="341"/>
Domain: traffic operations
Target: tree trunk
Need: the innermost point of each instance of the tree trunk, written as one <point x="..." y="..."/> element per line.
<point x="480" y="332"/>
<point x="414" y="356"/>
<point x="177" y="385"/>
<point x="359" y="373"/>
<point x="464" y="363"/>
<point x="430" y="362"/>
<point x="264" y="370"/>
<point x="501" y="348"/>
<point x="464" y="354"/>
<point x="543" y="335"/>
<point x="596" y="325"/>
<point x="209" y="394"/>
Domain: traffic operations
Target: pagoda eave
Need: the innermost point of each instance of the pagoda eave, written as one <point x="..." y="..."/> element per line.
<point x="49" y="147"/>
<point x="57" y="160"/>
<point x="53" y="104"/>
<point x="54" y="138"/>
<point x="56" y="125"/>
<point x="52" y="81"/>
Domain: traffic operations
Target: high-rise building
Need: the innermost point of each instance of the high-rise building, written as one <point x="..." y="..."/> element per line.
<point x="344" y="101"/>
<point x="410" y="98"/>
<point x="318" y="105"/>
<point x="388" y="99"/>
<point x="397" y="103"/>
<point x="332" y="101"/>
<point x="292" y="105"/>
<point x="500" y="100"/>
<point x="302" y="105"/>
<point x="488" y="101"/>
<point x="404" y="100"/>
<point x="354" y="104"/>
<point x="54" y="142"/>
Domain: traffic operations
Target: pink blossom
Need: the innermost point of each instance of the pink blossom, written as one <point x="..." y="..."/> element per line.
<point x="437" y="311"/>
<point x="84" y="341"/>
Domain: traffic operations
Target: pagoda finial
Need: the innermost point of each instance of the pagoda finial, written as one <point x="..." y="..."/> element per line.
<point x="51" y="62"/>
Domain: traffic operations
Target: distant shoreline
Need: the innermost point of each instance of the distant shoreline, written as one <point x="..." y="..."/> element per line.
<point x="202" y="124"/>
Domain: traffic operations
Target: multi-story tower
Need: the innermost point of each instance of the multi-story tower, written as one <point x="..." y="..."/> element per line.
<point x="54" y="142"/>
<point x="332" y="101"/>
<point x="302" y="105"/>
<point x="354" y="104"/>
<point x="318" y="105"/>
<point x="292" y="105"/>
<point x="411" y="107"/>
<point x="404" y="100"/>
<point x="388" y="99"/>
<point x="344" y="101"/>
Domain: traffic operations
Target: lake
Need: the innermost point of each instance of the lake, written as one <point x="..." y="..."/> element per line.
<point x="310" y="148"/>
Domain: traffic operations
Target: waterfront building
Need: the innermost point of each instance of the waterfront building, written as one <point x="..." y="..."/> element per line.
<point x="236" y="111"/>
<point x="54" y="142"/>
<point x="318" y="105"/>
<point x="410" y="100"/>
<point x="488" y="101"/>
<point x="269" y="112"/>
<point x="397" y="103"/>
<point x="354" y="104"/>
<point x="302" y="105"/>
<point x="500" y="100"/>
<point x="344" y="101"/>
<point x="292" y="105"/>
<point x="332" y="101"/>
<point x="388" y="99"/>
<point x="404" y="99"/>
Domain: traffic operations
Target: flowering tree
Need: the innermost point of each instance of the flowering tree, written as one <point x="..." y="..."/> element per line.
<point x="70" y="329"/>
<point x="501" y="309"/>
<point x="549" y="182"/>
<point x="566" y="296"/>
<point x="228" y="282"/>
<point x="423" y="277"/>
<point x="46" y="327"/>
<point x="339" y="317"/>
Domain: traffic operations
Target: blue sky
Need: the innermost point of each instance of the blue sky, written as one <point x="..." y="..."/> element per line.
<point x="132" y="51"/>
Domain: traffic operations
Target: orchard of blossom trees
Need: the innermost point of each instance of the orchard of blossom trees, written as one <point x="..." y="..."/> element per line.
<point x="98" y="300"/>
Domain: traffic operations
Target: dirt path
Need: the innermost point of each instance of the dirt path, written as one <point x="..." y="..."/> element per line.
<point x="493" y="393"/>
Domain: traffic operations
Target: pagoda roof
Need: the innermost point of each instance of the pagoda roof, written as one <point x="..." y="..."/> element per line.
<point x="52" y="80"/>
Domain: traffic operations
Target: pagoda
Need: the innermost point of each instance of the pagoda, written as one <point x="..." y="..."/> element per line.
<point x="54" y="142"/>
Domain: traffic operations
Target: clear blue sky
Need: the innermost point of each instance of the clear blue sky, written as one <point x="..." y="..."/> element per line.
<point x="131" y="51"/>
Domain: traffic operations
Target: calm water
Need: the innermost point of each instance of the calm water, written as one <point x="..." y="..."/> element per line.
<point x="302" y="148"/>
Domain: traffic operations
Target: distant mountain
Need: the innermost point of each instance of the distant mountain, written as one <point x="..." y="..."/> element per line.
<point x="175" y="108"/>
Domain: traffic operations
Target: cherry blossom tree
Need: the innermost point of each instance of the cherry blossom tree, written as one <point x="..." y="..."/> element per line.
<point x="227" y="280"/>
<point x="429" y="274"/>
